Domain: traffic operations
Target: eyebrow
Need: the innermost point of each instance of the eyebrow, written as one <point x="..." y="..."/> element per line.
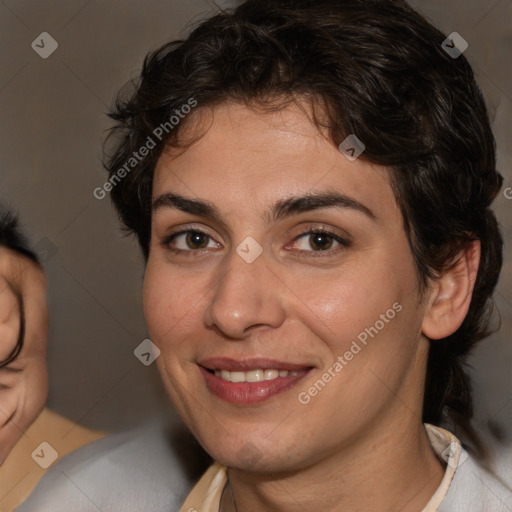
<point x="281" y="209"/>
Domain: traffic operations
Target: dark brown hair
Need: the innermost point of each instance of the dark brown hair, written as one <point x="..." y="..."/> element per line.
<point x="379" y="71"/>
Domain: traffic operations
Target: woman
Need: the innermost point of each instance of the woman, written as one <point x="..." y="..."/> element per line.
<point x="320" y="253"/>
<point x="310" y="183"/>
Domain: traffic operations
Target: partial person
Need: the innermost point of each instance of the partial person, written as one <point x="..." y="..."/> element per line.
<point x="25" y="423"/>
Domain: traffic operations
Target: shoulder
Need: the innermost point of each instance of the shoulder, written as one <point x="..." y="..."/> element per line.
<point x="140" y="469"/>
<point x="474" y="489"/>
<point x="19" y="474"/>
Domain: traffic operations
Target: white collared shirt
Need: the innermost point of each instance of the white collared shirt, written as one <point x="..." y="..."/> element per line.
<point x="465" y="487"/>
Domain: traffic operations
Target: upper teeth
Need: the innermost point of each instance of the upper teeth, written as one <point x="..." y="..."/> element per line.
<point x="253" y="375"/>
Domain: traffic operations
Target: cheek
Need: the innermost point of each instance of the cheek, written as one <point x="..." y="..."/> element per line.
<point x="373" y="334"/>
<point x="340" y="308"/>
<point x="170" y="303"/>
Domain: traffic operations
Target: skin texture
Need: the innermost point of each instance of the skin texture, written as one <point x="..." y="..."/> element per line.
<point x="362" y="434"/>
<point x="24" y="382"/>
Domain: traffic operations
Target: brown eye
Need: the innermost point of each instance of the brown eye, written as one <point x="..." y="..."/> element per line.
<point x="196" y="239"/>
<point x="319" y="240"/>
<point x="190" y="240"/>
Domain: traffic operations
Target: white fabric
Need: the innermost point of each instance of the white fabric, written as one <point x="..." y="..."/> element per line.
<point x="132" y="471"/>
<point x="139" y="471"/>
<point x="466" y="487"/>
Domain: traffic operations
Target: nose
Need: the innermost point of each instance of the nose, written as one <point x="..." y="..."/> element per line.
<point x="247" y="297"/>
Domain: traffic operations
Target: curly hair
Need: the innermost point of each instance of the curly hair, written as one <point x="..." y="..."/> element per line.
<point x="378" y="70"/>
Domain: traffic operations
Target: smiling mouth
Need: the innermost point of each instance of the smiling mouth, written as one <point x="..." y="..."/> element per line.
<point x="250" y="381"/>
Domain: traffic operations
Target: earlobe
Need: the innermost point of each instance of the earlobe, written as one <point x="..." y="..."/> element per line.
<point x="451" y="295"/>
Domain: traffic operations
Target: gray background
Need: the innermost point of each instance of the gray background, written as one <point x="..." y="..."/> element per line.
<point x="51" y="128"/>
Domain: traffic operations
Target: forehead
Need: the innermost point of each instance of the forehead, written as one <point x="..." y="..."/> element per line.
<point x="247" y="156"/>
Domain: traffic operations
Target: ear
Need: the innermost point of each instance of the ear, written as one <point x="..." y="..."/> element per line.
<point x="451" y="294"/>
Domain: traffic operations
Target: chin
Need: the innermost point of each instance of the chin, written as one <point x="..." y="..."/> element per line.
<point x="256" y="455"/>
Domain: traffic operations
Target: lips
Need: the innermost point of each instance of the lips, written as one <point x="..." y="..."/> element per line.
<point x="250" y="381"/>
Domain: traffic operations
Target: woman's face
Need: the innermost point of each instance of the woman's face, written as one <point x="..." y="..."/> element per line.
<point x="332" y="320"/>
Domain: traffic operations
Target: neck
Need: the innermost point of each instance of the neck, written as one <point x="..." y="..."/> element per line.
<point x="396" y="469"/>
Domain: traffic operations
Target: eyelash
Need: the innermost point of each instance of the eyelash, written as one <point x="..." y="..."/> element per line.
<point x="342" y="241"/>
